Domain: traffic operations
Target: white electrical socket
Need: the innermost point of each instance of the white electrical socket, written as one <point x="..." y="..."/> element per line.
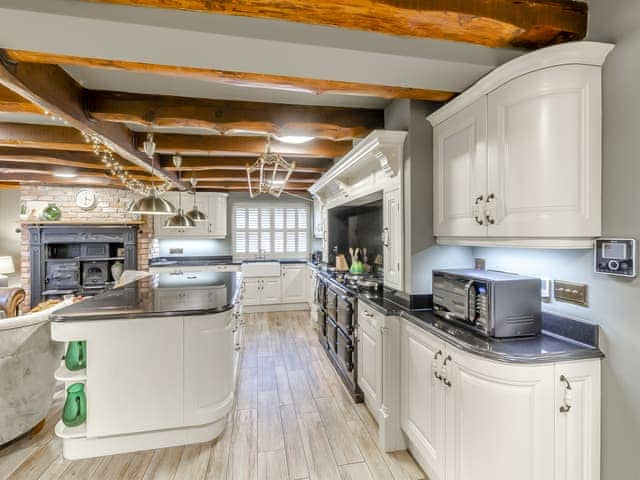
<point x="546" y="285"/>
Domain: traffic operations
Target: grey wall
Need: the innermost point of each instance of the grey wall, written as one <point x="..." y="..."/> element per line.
<point x="9" y="221"/>
<point x="422" y="255"/>
<point x="207" y="247"/>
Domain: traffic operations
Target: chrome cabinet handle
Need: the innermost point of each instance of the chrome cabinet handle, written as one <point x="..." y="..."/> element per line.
<point x="489" y="217"/>
<point x="367" y="314"/>
<point x="435" y="365"/>
<point x="476" y="205"/>
<point x="445" y="380"/>
<point x="568" y="397"/>
<point x="385" y="236"/>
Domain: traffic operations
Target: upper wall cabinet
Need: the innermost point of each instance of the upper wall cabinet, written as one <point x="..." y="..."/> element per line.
<point x="517" y="157"/>
<point x="212" y="204"/>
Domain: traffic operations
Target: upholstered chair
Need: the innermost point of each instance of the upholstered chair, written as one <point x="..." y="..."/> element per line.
<point x="10" y="300"/>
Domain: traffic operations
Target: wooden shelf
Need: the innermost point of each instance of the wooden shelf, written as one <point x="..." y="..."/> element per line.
<point x="81" y="222"/>
<point x="62" y="431"/>
<point x="68" y="376"/>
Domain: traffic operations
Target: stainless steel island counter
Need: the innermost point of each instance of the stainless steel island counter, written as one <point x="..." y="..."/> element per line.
<point x="161" y="359"/>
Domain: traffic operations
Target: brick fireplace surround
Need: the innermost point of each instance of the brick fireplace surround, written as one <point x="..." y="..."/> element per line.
<point x="111" y="206"/>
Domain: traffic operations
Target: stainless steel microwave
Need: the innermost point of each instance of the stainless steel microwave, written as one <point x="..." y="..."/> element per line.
<point x="495" y="304"/>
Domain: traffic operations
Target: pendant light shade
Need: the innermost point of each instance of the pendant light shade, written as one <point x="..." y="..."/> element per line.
<point x="180" y="220"/>
<point x="195" y="214"/>
<point x="269" y="174"/>
<point x="152" y="205"/>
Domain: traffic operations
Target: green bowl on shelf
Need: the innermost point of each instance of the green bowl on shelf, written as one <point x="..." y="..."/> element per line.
<point x="51" y="213"/>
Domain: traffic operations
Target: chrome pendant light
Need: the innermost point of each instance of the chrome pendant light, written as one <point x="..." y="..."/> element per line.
<point x="152" y="204"/>
<point x="195" y="214"/>
<point x="269" y="174"/>
<point x="179" y="220"/>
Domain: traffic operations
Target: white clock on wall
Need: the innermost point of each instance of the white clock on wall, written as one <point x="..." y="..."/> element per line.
<point x="86" y="199"/>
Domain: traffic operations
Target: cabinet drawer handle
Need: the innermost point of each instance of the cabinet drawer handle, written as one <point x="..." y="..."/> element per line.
<point x="435" y="365"/>
<point x="366" y="313"/>
<point x="445" y="380"/>
<point x="476" y="204"/>
<point x="568" y="397"/>
<point x="488" y="216"/>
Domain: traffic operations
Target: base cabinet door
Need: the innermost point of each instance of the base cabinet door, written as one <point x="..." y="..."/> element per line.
<point x="423" y="398"/>
<point x="577" y="420"/>
<point x="499" y="419"/>
<point x="294" y="283"/>
<point x="271" y="291"/>
<point x="251" y="292"/>
<point x="370" y="358"/>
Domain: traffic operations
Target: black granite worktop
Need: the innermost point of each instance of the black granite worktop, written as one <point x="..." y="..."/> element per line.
<point x="174" y="261"/>
<point x="159" y="295"/>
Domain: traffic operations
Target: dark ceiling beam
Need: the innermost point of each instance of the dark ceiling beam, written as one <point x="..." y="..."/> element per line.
<point x="52" y="89"/>
<point x="73" y="159"/>
<point x="240" y="79"/>
<point x="492" y="23"/>
<point x="170" y="143"/>
<point x="223" y="116"/>
<point x="43" y="137"/>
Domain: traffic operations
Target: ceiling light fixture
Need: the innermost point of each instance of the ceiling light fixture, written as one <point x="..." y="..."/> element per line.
<point x="152" y="203"/>
<point x="179" y="220"/>
<point x="294" y="139"/>
<point x="195" y="214"/>
<point x="269" y="174"/>
<point x="65" y="174"/>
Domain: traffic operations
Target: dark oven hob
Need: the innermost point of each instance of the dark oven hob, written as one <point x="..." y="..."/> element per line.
<point x="95" y="274"/>
<point x="337" y="328"/>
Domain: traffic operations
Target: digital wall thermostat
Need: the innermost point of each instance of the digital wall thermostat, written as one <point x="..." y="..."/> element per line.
<point x="615" y="256"/>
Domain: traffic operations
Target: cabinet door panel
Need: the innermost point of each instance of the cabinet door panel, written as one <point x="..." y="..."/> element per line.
<point x="544" y="154"/>
<point x="294" y="284"/>
<point x="422" y="398"/>
<point x="460" y="172"/>
<point x="218" y="215"/>
<point x="499" y="420"/>
<point x="577" y="431"/>
<point x="208" y="354"/>
<point x="393" y="248"/>
<point x="271" y="291"/>
<point x="369" y="375"/>
<point x="252" y="290"/>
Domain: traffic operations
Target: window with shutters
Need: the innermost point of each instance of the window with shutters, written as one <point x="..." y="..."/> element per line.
<point x="277" y="230"/>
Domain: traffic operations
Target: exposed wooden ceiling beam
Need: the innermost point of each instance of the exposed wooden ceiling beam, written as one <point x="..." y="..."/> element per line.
<point x="240" y="79"/>
<point x="169" y="143"/>
<point x="202" y="163"/>
<point x="50" y="88"/>
<point x="9" y="168"/>
<point x="51" y="180"/>
<point x="206" y="176"/>
<point x="495" y="23"/>
<point x="48" y="137"/>
<point x="14" y="103"/>
<point x="243" y="188"/>
<point x="84" y="160"/>
<point x="224" y="116"/>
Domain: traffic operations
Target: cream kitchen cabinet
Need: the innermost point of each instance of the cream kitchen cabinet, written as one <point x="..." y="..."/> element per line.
<point x="392" y="238"/>
<point x="460" y="172"/>
<point x="213" y="205"/>
<point x="262" y="291"/>
<point x="294" y="283"/>
<point x="370" y="357"/>
<point x="318" y="212"/>
<point x="470" y="418"/>
<point x="517" y="157"/>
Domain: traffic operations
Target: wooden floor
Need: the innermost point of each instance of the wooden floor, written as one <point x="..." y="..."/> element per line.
<point x="292" y="420"/>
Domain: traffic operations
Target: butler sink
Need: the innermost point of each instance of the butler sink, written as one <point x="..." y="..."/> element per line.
<point x="260" y="269"/>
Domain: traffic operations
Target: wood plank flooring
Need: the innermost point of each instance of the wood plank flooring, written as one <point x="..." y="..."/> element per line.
<point x="292" y="420"/>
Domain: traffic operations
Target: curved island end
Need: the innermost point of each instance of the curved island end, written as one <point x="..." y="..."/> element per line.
<point x="161" y="361"/>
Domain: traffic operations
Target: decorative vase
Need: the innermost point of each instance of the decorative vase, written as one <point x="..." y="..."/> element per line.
<point x="76" y="357"/>
<point x="116" y="270"/>
<point x="74" y="412"/>
<point x="51" y="212"/>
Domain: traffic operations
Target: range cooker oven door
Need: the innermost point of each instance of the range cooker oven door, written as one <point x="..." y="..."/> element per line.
<point x="344" y="352"/>
<point x="323" y="328"/>
<point x="331" y="305"/>
<point x="332" y="335"/>
<point x="344" y="313"/>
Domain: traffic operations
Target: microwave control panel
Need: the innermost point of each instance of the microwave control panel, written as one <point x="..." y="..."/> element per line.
<point x="615" y="256"/>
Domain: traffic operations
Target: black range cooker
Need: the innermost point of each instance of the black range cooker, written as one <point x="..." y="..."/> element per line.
<point x="337" y="304"/>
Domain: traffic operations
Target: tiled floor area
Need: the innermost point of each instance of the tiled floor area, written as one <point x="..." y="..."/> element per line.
<point x="292" y="420"/>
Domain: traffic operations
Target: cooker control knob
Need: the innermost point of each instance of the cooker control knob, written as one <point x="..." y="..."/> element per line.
<point x="614" y="265"/>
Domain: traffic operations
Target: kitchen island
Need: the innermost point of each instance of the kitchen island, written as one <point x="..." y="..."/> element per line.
<point x="160" y="363"/>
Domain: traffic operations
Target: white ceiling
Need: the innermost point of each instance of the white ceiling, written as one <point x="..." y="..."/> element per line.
<point x="237" y="44"/>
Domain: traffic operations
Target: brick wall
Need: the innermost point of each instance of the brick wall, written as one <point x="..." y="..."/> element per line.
<point x="111" y="205"/>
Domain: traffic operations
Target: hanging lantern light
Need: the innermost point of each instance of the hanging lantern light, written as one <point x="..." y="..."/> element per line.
<point x="152" y="204"/>
<point x="195" y="214"/>
<point x="179" y="220"/>
<point x="269" y="174"/>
